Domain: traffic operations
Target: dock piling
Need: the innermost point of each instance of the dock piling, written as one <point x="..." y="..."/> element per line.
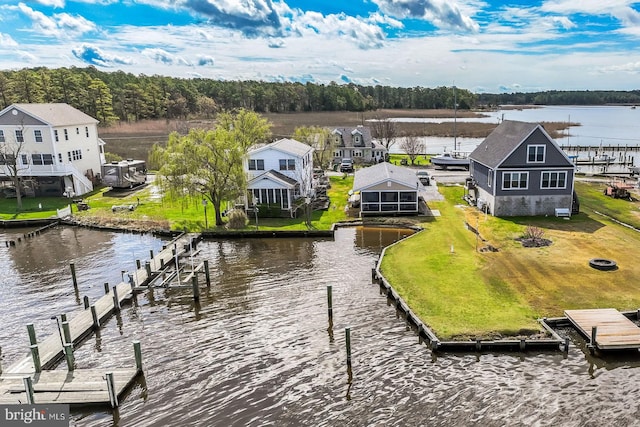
<point x="73" y="275"/>
<point x="137" y="351"/>
<point x="147" y="267"/>
<point x="35" y="354"/>
<point x="111" y="388"/>
<point x="116" y="300"/>
<point x="138" y="265"/>
<point x="32" y="334"/>
<point x="207" y="276"/>
<point x="330" y="304"/>
<point x="347" y="339"/>
<point x="85" y="300"/>
<point x="594" y="333"/>
<point x="28" y="388"/>
<point x="151" y="254"/>
<point x="67" y="331"/>
<point x="94" y="316"/>
<point x="196" y="289"/>
<point x="68" y="354"/>
<point x="106" y="288"/>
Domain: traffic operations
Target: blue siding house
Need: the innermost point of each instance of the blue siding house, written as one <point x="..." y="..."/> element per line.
<point x="519" y="170"/>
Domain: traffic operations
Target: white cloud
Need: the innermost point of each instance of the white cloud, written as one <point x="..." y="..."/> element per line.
<point x="93" y="55"/>
<point x="442" y="13"/>
<point x="164" y="57"/>
<point x="7" y="41"/>
<point x="53" y="3"/>
<point x="60" y="25"/>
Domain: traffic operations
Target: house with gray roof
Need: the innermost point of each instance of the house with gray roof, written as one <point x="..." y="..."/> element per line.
<point x="56" y="147"/>
<point x="519" y="170"/>
<point x="356" y="144"/>
<point x="386" y="189"/>
<point x="279" y="175"/>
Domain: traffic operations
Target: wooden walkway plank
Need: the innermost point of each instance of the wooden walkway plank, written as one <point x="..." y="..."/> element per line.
<point x="614" y="330"/>
<point x="82" y="387"/>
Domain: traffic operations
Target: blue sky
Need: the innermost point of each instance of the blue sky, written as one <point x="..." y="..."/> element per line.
<point x="483" y="46"/>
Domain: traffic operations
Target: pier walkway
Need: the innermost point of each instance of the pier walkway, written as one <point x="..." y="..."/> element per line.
<point x="80" y="386"/>
<point x="608" y="328"/>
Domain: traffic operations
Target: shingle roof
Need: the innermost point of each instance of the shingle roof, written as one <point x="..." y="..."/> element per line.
<point x="286" y="145"/>
<point x="501" y="142"/>
<point x="347" y="133"/>
<point x="383" y="172"/>
<point x="59" y="114"/>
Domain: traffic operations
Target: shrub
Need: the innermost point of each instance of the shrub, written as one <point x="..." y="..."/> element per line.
<point x="237" y="219"/>
<point x="534" y="233"/>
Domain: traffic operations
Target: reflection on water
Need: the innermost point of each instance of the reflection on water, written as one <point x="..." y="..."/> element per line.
<point x="256" y="351"/>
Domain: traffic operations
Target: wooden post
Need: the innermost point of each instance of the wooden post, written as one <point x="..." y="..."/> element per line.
<point x="138" y="355"/>
<point x="67" y="332"/>
<point x="111" y="388"/>
<point x="196" y="289"/>
<point x="373" y="275"/>
<point x="478" y="345"/>
<point x="116" y="300"/>
<point x="68" y="353"/>
<point x="73" y="275"/>
<point x="94" y="316"/>
<point x="147" y="266"/>
<point x="35" y="354"/>
<point x="86" y="302"/>
<point x="151" y="253"/>
<point x="566" y="345"/>
<point x="138" y="265"/>
<point x="161" y="263"/>
<point x="28" y="388"/>
<point x="106" y="288"/>
<point x="523" y="344"/>
<point x="207" y="276"/>
<point x="330" y="304"/>
<point x="347" y="339"/>
<point x="32" y="334"/>
<point x="594" y="332"/>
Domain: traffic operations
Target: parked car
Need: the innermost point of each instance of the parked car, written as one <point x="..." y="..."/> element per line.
<point x="423" y="177"/>
<point x="346" y="165"/>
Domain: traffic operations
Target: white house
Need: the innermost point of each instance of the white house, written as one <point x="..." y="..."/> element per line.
<point x="279" y="174"/>
<point x="57" y="147"/>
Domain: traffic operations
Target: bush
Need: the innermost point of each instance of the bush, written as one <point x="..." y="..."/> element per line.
<point x="237" y="219"/>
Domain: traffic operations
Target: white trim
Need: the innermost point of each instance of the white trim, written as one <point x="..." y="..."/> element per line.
<point x="551" y="172"/>
<point x="511" y="180"/>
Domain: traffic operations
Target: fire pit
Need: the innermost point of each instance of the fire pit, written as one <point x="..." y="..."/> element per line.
<point x="603" y="264"/>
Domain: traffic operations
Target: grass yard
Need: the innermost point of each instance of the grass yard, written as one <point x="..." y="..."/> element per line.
<point x="466" y="293"/>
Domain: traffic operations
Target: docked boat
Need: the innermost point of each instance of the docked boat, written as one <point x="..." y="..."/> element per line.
<point x="451" y="160"/>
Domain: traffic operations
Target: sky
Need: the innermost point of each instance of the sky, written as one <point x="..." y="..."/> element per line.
<point x="482" y="46"/>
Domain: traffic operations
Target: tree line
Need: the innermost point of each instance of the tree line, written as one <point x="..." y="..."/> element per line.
<point x="120" y="96"/>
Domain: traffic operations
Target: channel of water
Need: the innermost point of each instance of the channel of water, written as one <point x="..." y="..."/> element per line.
<point x="256" y="350"/>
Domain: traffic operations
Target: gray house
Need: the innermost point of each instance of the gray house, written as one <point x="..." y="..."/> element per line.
<point x="356" y="144"/>
<point x="386" y="189"/>
<point x="519" y="170"/>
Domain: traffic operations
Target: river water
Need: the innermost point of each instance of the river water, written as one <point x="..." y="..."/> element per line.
<point x="256" y="350"/>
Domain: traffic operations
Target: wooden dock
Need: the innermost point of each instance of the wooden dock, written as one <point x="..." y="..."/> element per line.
<point x="84" y="387"/>
<point x="607" y="328"/>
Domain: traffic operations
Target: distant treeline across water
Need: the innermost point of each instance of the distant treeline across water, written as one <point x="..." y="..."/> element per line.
<point x="113" y="96"/>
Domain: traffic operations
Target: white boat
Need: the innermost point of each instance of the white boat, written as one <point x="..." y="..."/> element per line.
<point x="451" y="159"/>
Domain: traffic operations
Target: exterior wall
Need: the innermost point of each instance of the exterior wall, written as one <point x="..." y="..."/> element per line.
<point x="553" y="157"/>
<point x="87" y="147"/>
<point x="530" y="205"/>
<point x="480" y="174"/>
<point x="303" y="172"/>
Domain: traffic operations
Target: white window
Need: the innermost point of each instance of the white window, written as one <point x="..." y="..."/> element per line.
<point x="19" y="135"/>
<point x="60" y="157"/>
<point x="77" y="131"/>
<point x="66" y="135"/>
<point x="357" y="153"/>
<point x="86" y="131"/>
<point x="37" y="134"/>
<point x="256" y="164"/>
<point x="535" y="153"/>
<point x="74" y="155"/>
<point x="337" y="153"/>
<point x="490" y="178"/>
<point x="42" y="159"/>
<point x="515" y="180"/>
<point x="55" y="134"/>
<point x="2" y="136"/>
<point x="554" y="180"/>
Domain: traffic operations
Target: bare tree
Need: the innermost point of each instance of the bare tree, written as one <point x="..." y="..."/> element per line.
<point x="318" y="138"/>
<point x="413" y="146"/>
<point x="10" y="150"/>
<point x="385" y="131"/>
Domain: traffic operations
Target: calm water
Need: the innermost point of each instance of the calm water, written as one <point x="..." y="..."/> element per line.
<point x="256" y="350"/>
<point x="599" y="125"/>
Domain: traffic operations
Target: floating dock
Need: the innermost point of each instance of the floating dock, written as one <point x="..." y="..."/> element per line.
<point x="607" y="328"/>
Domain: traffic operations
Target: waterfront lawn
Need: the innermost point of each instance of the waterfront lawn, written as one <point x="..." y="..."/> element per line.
<point x="421" y="160"/>
<point x="592" y="199"/>
<point x="32" y="207"/>
<point x="467" y="293"/>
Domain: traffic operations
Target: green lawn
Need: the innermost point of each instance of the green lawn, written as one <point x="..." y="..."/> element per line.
<point x="461" y="292"/>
